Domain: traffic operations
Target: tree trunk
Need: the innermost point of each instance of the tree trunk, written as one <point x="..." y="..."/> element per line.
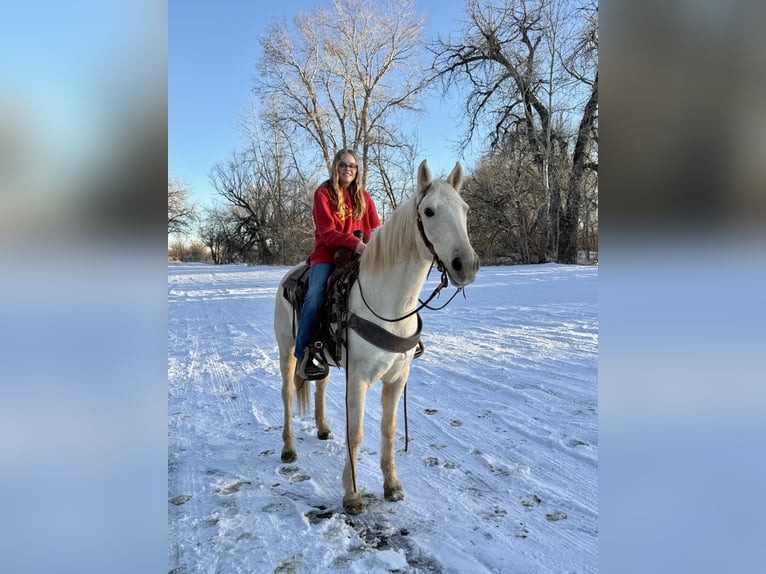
<point x="570" y="217"/>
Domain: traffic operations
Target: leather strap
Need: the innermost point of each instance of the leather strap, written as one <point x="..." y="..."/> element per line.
<point x="379" y="337"/>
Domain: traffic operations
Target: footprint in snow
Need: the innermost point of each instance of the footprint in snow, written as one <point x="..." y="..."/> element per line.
<point x="521" y="531"/>
<point x="233" y="487"/>
<point x="531" y="502"/>
<point x="318" y="514"/>
<point x="292" y="474"/>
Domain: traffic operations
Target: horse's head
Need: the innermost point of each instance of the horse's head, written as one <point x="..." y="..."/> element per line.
<point x="442" y="215"/>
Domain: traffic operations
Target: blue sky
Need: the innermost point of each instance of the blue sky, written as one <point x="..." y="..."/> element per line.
<point x="212" y="51"/>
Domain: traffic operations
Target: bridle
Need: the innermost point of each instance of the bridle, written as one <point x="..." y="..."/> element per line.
<point x="430" y="246"/>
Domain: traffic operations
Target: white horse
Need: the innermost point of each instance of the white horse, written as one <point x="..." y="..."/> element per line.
<point x="430" y="226"/>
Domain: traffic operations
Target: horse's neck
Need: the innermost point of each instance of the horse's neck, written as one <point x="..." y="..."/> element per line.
<point x="393" y="290"/>
<point x="391" y="281"/>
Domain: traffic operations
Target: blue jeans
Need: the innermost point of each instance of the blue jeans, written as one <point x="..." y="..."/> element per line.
<point x="319" y="273"/>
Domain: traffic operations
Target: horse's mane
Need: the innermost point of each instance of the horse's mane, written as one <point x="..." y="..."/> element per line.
<point x="394" y="239"/>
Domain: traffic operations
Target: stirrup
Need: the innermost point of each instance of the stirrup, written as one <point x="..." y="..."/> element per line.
<point x="419" y="350"/>
<point x="311" y="367"/>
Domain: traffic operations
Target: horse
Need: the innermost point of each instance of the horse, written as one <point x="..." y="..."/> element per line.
<point x="429" y="227"/>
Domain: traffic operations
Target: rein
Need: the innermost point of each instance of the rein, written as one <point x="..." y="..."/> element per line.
<point x="423" y="304"/>
<point x="348" y="443"/>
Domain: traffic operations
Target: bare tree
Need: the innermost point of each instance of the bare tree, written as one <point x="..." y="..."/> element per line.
<point x="340" y="78"/>
<point x="590" y="214"/>
<point x="251" y="207"/>
<point x="581" y="61"/>
<point x="512" y="60"/>
<point x="506" y="206"/>
<point x="274" y="160"/>
<point x="394" y="173"/>
<point x="181" y="215"/>
<point x="216" y="231"/>
<point x="268" y="210"/>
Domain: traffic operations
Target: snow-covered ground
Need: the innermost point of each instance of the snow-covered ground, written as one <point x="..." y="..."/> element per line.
<point x="501" y="474"/>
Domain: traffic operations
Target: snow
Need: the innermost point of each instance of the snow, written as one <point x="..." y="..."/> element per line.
<point x="501" y="473"/>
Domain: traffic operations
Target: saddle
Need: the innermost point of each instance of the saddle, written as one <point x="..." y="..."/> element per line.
<point x="327" y="336"/>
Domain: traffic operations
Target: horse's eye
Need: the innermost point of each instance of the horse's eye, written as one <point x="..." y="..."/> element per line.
<point x="429" y="212"/>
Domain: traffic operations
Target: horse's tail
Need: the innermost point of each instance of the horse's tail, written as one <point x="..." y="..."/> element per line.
<point x="302" y="395"/>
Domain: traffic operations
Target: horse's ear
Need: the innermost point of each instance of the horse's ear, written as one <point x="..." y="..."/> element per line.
<point x="424" y="176"/>
<point x="455" y="178"/>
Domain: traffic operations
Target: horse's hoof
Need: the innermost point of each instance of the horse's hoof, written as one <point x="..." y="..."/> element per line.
<point x="324" y="435"/>
<point x="289" y="456"/>
<point x="354" y="505"/>
<point x="394" y="495"/>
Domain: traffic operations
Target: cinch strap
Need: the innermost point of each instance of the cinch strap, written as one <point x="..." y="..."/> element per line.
<point x="379" y="337"/>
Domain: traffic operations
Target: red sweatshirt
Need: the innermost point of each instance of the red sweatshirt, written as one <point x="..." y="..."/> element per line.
<point x="334" y="229"/>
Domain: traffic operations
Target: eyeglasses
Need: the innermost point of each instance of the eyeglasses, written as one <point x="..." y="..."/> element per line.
<point x="342" y="165"/>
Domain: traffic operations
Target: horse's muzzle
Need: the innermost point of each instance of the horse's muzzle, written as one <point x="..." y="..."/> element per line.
<point x="463" y="268"/>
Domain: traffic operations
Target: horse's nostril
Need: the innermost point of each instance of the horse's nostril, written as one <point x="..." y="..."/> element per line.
<point x="457" y="264"/>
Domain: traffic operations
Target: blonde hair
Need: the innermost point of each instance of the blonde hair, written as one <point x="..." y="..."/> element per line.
<point x="336" y="192"/>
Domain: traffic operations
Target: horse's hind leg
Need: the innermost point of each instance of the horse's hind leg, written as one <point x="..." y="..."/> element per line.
<point x="287" y="367"/>
<point x="392" y="488"/>
<point x="320" y="415"/>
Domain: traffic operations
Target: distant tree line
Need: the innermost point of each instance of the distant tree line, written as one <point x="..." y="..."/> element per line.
<point x="347" y="76"/>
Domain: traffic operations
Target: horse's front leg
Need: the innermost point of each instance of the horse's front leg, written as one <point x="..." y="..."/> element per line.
<point x="392" y="390"/>
<point x="355" y="396"/>
<point x="287" y="367"/>
<point x="323" y="429"/>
